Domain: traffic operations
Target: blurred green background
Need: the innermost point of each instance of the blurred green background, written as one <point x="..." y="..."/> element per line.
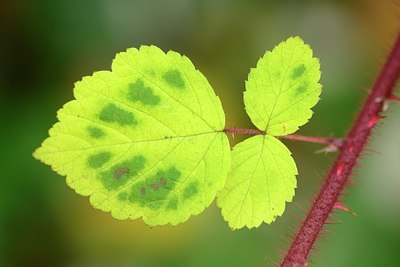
<point x="47" y="45"/>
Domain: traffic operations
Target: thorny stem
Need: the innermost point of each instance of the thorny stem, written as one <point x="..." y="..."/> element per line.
<point x="339" y="174"/>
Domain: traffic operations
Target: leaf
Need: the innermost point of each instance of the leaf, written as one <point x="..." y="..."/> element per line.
<point x="144" y="140"/>
<point x="280" y="93"/>
<point x="261" y="180"/>
<point x="283" y="88"/>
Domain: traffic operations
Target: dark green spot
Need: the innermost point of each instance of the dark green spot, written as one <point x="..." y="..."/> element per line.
<point x="97" y="160"/>
<point x="153" y="191"/>
<point x="301" y="89"/>
<point x="151" y="72"/>
<point x="174" y="78"/>
<point x="112" y="113"/>
<point x="95" y="132"/>
<point x="172" y="204"/>
<point x="139" y="92"/>
<point x="298" y="71"/>
<point x="121" y="173"/>
<point x="191" y="190"/>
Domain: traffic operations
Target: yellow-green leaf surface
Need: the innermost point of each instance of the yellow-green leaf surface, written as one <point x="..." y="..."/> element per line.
<point x="144" y="140"/>
<point x="261" y="180"/>
<point x="280" y="93"/>
<point x="283" y="88"/>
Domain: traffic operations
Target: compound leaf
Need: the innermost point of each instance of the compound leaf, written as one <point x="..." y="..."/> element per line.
<point x="280" y="93"/>
<point x="261" y="181"/>
<point x="283" y="88"/>
<point x="144" y="140"/>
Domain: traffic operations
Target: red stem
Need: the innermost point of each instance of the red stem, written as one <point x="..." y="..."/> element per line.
<point x="243" y="131"/>
<point x="310" y="139"/>
<point x="339" y="174"/>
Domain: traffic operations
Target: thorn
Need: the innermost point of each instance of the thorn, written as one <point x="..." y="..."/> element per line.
<point x="393" y="98"/>
<point x="390" y="98"/>
<point x="231" y="131"/>
<point x="338" y="205"/>
<point x="339" y="169"/>
<point x="351" y="148"/>
<point x="385" y="105"/>
<point x="374" y="120"/>
<point x="334" y="146"/>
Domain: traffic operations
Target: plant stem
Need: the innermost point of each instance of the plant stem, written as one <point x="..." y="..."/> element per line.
<point x="312" y="139"/>
<point x="336" y="142"/>
<point x="234" y="131"/>
<point x="339" y="174"/>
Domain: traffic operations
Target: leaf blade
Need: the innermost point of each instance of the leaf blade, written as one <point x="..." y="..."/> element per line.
<point x="261" y="181"/>
<point x="144" y="140"/>
<point x="283" y="88"/>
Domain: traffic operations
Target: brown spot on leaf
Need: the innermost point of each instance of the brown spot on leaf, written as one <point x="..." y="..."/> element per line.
<point x="155" y="186"/>
<point x="163" y="181"/>
<point x="120" y="171"/>
<point x="143" y="191"/>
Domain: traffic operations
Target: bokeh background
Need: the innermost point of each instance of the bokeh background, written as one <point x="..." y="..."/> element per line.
<point x="47" y="45"/>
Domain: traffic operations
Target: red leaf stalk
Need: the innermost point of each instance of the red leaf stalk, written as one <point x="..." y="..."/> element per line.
<point x="333" y="143"/>
<point x="234" y="131"/>
<point x="339" y="174"/>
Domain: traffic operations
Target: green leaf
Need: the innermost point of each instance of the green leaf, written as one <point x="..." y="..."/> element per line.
<point x="261" y="180"/>
<point x="144" y="140"/>
<point x="280" y="93"/>
<point x="283" y="88"/>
